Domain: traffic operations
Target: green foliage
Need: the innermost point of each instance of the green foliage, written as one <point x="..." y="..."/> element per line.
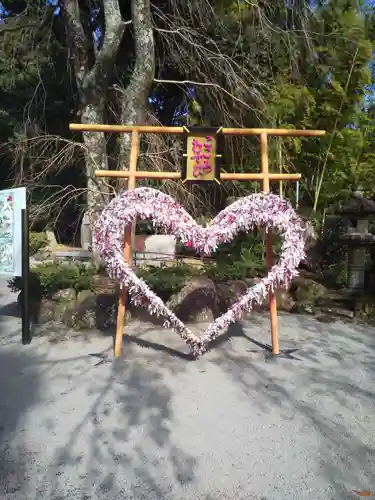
<point x="166" y="280"/>
<point x="51" y="277"/>
<point x="329" y="248"/>
<point x="337" y="272"/>
<point x="239" y="259"/>
<point x="244" y="257"/>
<point x="236" y="270"/>
<point x="37" y="241"/>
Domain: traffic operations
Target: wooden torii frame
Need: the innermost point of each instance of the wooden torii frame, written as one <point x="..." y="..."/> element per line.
<point x="132" y="175"/>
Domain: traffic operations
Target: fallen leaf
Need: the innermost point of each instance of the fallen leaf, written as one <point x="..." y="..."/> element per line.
<point x="202" y="371"/>
<point x="364" y="493"/>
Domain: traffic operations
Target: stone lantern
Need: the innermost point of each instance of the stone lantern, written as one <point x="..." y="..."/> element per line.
<point x="358" y="209"/>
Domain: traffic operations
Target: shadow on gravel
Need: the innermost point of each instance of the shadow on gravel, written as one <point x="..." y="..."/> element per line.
<point x="331" y="390"/>
<point x="19" y="392"/>
<point x="11" y="309"/>
<point x="148" y="344"/>
<point x="121" y="445"/>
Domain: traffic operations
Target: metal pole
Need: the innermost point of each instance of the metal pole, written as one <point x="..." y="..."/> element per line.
<point x="26" y="332"/>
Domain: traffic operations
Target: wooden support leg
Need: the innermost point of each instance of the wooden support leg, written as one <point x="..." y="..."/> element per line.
<point x="272" y="300"/>
<point x="123" y="294"/>
<point x="128" y="240"/>
<point x="269" y="251"/>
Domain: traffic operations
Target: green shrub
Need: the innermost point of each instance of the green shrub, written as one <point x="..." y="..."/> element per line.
<point x="337" y="273"/>
<point x="37" y="241"/>
<point x="46" y="279"/>
<point x="244" y="257"/>
<point x="237" y="270"/>
<point x="167" y="280"/>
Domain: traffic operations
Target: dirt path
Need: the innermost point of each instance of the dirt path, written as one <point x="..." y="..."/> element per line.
<point x="233" y="425"/>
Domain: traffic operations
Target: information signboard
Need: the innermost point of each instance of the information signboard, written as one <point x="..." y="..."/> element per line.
<point x="12" y="202"/>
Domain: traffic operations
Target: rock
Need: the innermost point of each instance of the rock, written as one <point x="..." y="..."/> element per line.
<point x="41" y="256"/>
<point x="252" y="281"/>
<point x="197" y="301"/>
<point x="35" y="262"/>
<point x="256" y="307"/>
<point x="104" y="284"/>
<point x="325" y="318"/>
<point x="46" y="311"/>
<point x="50" y="310"/>
<point x="303" y="309"/>
<point x="92" y="310"/>
<point x="308" y="309"/>
<point x="86" y="296"/>
<point x="157" y="249"/>
<point x="67" y="294"/>
<point x="336" y="311"/>
<point x="306" y="290"/>
<point x="284" y="301"/>
<point x="52" y="242"/>
<point x="228" y="292"/>
<point x="86" y="236"/>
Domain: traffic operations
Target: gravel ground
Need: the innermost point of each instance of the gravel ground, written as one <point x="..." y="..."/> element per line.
<point x="74" y="424"/>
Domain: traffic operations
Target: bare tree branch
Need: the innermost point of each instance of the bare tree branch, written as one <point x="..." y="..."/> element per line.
<point x="205" y="84"/>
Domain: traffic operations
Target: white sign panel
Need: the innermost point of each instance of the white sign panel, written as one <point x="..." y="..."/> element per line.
<point x="12" y="201"/>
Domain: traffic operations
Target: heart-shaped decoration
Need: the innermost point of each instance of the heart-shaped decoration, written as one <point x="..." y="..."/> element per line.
<point x="262" y="210"/>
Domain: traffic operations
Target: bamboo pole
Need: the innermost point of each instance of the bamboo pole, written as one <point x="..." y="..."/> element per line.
<point x="177" y="175"/>
<point x="132" y="181"/>
<point x="269" y="252"/>
<point x="154" y="129"/>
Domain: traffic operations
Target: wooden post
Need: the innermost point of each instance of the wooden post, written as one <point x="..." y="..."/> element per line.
<point x="132" y="181"/>
<point x="269" y="251"/>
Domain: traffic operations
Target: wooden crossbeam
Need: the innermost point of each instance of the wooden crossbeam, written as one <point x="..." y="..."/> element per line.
<point x="126" y="174"/>
<point x="132" y="175"/>
<point x="154" y="129"/>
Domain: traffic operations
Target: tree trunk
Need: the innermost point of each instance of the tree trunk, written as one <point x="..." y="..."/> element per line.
<point x="134" y="97"/>
<point x="96" y="159"/>
<point x="93" y="69"/>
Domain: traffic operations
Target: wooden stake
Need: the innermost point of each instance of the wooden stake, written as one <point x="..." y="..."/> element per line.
<point x="269" y="252"/>
<point x="132" y="181"/>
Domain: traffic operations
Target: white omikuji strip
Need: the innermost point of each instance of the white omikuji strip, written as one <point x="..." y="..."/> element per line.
<point x="261" y="210"/>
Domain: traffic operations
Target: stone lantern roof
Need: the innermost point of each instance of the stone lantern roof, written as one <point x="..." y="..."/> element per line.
<point x="358" y="240"/>
<point x="358" y="206"/>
